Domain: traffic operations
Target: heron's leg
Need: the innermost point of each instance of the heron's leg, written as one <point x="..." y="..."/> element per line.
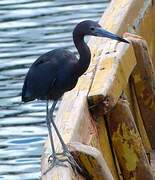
<point x="55" y="127"/>
<point x="66" y="153"/>
<point x="54" y="160"/>
<point x="58" y="158"/>
<point x="49" y="129"/>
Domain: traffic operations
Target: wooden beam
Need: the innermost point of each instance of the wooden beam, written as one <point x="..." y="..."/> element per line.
<point x="92" y="160"/>
<point x="152" y="159"/>
<point x="143" y="82"/>
<point x="112" y="76"/>
<point x="115" y="60"/>
<point x="139" y="121"/>
<point x="127" y="143"/>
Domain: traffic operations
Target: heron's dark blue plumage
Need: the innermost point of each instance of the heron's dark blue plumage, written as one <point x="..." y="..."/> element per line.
<point x="50" y="76"/>
<point x="57" y="71"/>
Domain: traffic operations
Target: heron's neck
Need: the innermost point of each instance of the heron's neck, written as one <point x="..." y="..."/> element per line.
<point x="84" y="53"/>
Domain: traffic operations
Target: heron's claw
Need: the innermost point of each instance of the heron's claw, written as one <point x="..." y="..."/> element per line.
<point x="59" y="159"/>
<point x="55" y="161"/>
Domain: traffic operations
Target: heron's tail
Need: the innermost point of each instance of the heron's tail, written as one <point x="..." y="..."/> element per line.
<point x="26" y="95"/>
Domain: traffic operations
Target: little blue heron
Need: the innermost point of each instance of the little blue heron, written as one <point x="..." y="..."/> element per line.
<point x="56" y="72"/>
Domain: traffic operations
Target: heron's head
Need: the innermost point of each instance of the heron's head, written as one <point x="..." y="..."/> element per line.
<point x="92" y="28"/>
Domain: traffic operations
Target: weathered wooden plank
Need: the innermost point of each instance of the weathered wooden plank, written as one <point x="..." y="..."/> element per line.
<point x="92" y="159"/>
<point x="103" y="140"/>
<point x="112" y="76"/>
<point x="146" y="30"/>
<point x="126" y="15"/>
<point x="127" y="143"/>
<point x="120" y="19"/>
<point x="152" y="157"/>
<point x="109" y="80"/>
<point x="139" y="122"/>
<point x="143" y="79"/>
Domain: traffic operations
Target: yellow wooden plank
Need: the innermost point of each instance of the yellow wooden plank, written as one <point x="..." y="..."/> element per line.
<point x="153" y="162"/>
<point x="122" y="16"/>
<point x="112" y="75"/>
<point x="147" y="30"/>
<point x="139" y="122"/>
<point x="92" y="160"/>
<point x="127" y="143"/>
<point x="103" y="139"/>
<point x="143" y="79"/>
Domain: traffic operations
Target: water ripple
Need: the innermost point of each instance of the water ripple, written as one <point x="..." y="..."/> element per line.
<point x="28" y="29"/>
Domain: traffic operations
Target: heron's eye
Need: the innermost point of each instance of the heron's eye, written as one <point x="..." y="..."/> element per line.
<point x="92" y="29"/>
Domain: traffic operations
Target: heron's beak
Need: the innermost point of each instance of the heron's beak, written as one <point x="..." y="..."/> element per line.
<point x="103" y="33"/>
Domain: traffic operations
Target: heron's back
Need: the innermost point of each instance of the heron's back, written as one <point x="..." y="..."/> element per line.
<point x="50" y="76"/>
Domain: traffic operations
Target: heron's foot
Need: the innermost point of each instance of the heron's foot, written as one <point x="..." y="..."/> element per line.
<point x="55" y="160"/>
<point x="60" y="159"/>
<point x="70" y="159"/>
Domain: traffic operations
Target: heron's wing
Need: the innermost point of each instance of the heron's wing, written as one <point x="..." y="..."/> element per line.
<point x="44" y="73"/>
<point x="39" y="79"/>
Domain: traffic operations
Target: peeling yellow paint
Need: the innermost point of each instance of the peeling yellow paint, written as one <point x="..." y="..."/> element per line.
<point x="105" y="145"/>
<point x="127" y="143"/>
<point x="138" y="120"/>
<point x="124" y="138"/>
<point x="130" y="156"/>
